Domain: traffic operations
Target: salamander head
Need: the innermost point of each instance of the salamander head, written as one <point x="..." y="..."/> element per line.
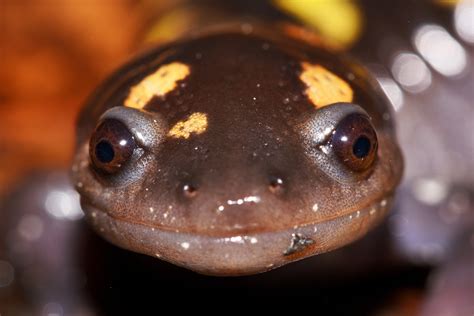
<point x="233" y="154"/>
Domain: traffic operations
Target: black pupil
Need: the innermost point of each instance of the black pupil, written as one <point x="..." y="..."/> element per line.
<point x="104" y="151"/>
<point x="361" y="147"/>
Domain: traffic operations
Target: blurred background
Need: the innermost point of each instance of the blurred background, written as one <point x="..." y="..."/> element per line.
<point x="54" y="53"/>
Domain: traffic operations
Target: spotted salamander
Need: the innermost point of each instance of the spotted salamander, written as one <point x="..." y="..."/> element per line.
<point x="238" y="149"/>
<point x="233" y="152"/>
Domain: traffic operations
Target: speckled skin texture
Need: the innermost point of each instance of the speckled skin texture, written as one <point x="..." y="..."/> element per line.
<point x="261" y="127"/>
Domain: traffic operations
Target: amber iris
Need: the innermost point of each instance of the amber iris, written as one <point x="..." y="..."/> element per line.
<point x="355" y="142"/>
<point x="111" y="146"/>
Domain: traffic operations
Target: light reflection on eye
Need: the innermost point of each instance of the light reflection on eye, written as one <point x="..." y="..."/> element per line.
<point x="411" y="72"/>
<point x="464" y="20"/>
<point x="440" y="50"/>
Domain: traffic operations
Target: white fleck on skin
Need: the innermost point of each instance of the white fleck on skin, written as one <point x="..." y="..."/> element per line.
<point x="324" y="149"/>
<point x="94" y="214"/>
<point x="357" y="214"/>
<point x="350" y="216"/>
<point x="220" y="208"/>
<point x="327" y="131"/>
<point x="241" y="239"/>
<point x="236" y="239"/>
<point x="254" y="199"/>
<point x="157" y="255"/>
<point x="247" y="199"/>
<point x="372" y="211"/>
<point x="185" y="245"/>
<point x="165" y="215"/>
<point x="140" y="136"/>
<point x="237" y="226"/>
<point x="315" y="229"/>
<point x="151" y="210"/>
<point x="383" y="203"/>
<point x="315" y="207"/>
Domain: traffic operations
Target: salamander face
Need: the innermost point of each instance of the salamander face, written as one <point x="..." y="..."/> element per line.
<point x="233" y="154"/>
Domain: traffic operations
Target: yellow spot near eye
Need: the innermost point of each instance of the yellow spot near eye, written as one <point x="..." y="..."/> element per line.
<point x="158" y="83"/>
<point x="324" y="87"/>
<point x="196" y="123"/>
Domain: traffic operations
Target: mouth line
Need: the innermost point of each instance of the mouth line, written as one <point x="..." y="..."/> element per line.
<point x="372" y="208"/>
<point x="239" y="253"/>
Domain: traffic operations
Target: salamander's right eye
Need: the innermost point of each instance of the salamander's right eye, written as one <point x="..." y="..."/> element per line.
<point x="111" y="146"/>
<point x="355" y="142"/>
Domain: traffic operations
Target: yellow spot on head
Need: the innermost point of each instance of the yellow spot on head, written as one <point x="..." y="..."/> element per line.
<point x="324" y="87"/>
<point x="196" y="123"/>
<point x="158" y="83"/>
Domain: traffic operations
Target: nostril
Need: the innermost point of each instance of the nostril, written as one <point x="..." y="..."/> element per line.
<point x="189" y="190"/>
<point x="276" y="185"/>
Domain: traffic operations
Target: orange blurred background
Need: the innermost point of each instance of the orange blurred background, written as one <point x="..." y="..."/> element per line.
<point x="53" y="53"/>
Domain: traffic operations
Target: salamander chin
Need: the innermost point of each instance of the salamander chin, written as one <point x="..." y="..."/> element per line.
<point x="238" y="254"/>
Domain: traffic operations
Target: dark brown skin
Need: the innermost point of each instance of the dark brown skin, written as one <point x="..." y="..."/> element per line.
<point x="262" y="184"/>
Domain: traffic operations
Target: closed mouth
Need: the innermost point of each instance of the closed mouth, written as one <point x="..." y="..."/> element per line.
<point x="241" y="253"/>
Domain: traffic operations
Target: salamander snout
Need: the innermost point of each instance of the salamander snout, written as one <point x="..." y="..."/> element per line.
<point x="275" y="185"/>
<point x="233" y="201"/>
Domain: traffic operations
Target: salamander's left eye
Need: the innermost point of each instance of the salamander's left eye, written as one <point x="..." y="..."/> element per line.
<point x="355" y="142"/>
<point x="111" y="146"/>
